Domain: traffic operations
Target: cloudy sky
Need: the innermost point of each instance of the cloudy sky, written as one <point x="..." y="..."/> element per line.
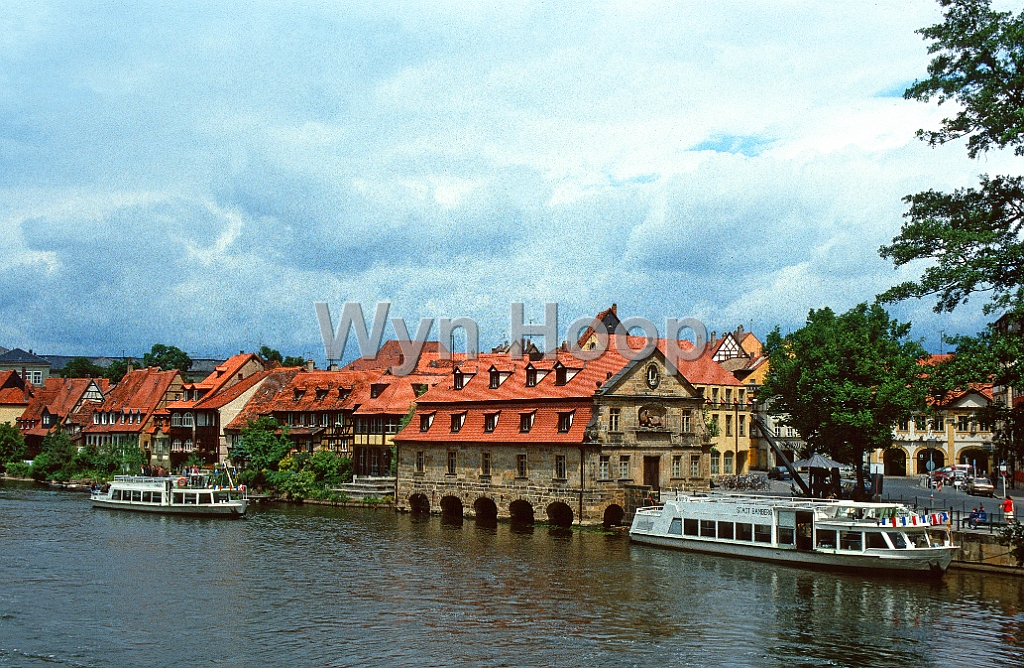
<point x="199" y="175"/>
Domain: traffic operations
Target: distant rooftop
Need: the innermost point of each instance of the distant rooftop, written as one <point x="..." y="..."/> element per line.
<point x="19" y="356"/>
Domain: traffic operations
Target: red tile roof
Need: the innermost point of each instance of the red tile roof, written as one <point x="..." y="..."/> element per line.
<point x="140" y="392"/>
<point x="262" y="402"/>
<point x="58" y="397"/>
<point x="223" y="376"/>
<point x="216" y="400"/>
<point x="13" y="389"/>
<point x="546" y="417"/>
<point x="390" y="355"/>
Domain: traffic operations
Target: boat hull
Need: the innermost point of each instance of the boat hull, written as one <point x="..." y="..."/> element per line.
<point x="932" y="561"/>
<point x="226" y="510"/>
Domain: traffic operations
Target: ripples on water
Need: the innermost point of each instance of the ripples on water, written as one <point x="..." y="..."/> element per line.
<point x="307" y="585"/>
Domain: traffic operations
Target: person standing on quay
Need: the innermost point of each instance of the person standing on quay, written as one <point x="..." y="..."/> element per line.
<point x="1007" y="507"/>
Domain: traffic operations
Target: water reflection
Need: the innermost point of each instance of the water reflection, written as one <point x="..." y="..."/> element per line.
<point x="306" y="585"/>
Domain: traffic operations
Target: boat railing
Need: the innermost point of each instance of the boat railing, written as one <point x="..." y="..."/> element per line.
<point x="140" y="478"/>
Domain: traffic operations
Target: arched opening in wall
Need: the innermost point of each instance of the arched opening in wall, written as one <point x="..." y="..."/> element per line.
<point x="928" y="460"/>
<point x="451" y="507"/>
<point x="895" y="460"/>
<point x="559" y="514"/>
<point x="486" y="511"/>
<point x="977" y="458"/>
<point x="419" y="503"/>
<point x="521" y="512"/>
<point x="613" y="515"/>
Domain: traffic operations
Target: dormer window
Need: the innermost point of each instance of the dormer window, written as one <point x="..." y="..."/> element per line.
<point x="458" y="380"/>
<point x="526" y="422"/>
<point x="564" y="422"/>
<point x="321" y="393"/>
<point x="377" y="389"/>
<point x="531" y="377"/>
<point x="426" y="420"/>
<point x="495" y="379"/>
<point x="490" y="422"/>
<point x="458" y="419"/>
<point x="297" y="393"/>
<point x="560" y="375"/>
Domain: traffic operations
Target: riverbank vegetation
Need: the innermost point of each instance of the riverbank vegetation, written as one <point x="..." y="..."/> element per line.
<point x="60" y="459"/>
<point x="269" y="465"/>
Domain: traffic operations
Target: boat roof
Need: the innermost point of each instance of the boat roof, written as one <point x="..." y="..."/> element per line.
<point x="783" y="501"/>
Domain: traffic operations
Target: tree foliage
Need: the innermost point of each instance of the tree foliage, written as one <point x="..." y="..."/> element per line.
<point x="81" y="367"/>
<point x="167" y="358"/>
<point x="116" y="371"/>
<point x="261" y="446"/>
<point x="12" y="443"/>
<point x="971" y="238"/>
<point x="271" y="355"/>
<point x="842" y="381"/>
<point x="56" y="453"/>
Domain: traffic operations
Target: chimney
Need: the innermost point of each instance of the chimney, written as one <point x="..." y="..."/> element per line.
<point x="333" y="367"/>
<point x="615" y="309"/>
<point x="129" y="368"/>
<point x="310" y="365"/>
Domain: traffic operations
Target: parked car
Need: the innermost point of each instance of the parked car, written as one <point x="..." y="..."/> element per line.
<point x="780" y="473"/>
<point x="980" y="486"/>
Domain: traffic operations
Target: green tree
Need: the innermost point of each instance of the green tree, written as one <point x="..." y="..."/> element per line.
<point x="971" y="239"/>
<point x="12" y="443"/>
<point x="261" y="446"/>
<point x="844" y="381"/>
<point x="81" y="367"/>
<point x="116" y="371"/>
<point x="271" y="355"/>
<point x="167" y="358"/>
<point x="56" y="453"/>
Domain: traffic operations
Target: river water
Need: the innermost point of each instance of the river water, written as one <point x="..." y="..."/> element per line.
<point x="314" y="586"/>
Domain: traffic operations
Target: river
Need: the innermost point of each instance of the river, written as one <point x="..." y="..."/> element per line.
<point x="315" y="586"/>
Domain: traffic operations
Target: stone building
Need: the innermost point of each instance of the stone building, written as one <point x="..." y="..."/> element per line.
<point x="572" y="441"/>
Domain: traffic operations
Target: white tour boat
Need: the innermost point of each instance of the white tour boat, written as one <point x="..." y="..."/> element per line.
<point x="176" y="496"/>
<point x="879" y="537"/>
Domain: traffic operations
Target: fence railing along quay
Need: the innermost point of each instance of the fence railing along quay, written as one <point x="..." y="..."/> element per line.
<point x="960" y="518"/>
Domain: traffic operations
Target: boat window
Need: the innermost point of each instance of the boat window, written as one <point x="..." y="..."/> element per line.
<point x="137" y="496"/>
<point x="707" y="528"/>
<point x="826" y="538"/>
<point x="875" y="541"/>
<point x="147" y="497"/>
<point x="897" y="540"/>
<point x="676" y="528"/>
<point x="206" y="498"/>
<point x="919" y="539"/>
<point x="787" y="536"/>
<point x="851" y="540"/>
<point x="725" y="530"/>
<point x="744" y="531"/>
<point x="763" y="533"/>
<point x="690" y="527"/>
<point x="190" y="499"/>
<point x="937" y="538"/>
<point x="179" y="497"/>
<point x="158" y="497"/>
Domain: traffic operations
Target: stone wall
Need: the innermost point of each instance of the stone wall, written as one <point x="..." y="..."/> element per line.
<point x="982" y="551"/>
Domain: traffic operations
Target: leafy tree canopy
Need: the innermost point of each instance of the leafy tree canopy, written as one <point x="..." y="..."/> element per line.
<point x="167" y="358"/>
<point x="116" y="371"/>
<point x="81" y="367"/>
<point x="842" y="381"/>
<point x="971" y="237"/>
<point x="261" y="447"/>
<point x="271" y="355"/>
<point x="12" y="443"/>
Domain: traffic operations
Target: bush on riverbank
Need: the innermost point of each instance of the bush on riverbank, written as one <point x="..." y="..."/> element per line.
<point x="12" y="447"/>
<point x="60" y="459"/>
<point x="265" y="449"/>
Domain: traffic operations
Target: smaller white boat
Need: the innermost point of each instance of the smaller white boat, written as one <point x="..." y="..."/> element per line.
<point x="841" y="535"/>
<point x="172" y="496"/>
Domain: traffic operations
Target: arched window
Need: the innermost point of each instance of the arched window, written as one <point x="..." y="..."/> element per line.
<point x="186" y="421"/>
<point x="175" y="419"/>
<point x="188" y="444"/>
<point x="176" y="445"/>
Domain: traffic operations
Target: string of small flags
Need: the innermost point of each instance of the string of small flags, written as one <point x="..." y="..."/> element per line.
<point x="915" y="520"/>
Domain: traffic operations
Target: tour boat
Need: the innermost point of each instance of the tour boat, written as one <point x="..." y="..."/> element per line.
<point x="175" y="496"/>
<point x="878" y="537"/>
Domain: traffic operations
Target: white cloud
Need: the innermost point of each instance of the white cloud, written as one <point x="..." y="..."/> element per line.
<point x="199" y="175"/>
